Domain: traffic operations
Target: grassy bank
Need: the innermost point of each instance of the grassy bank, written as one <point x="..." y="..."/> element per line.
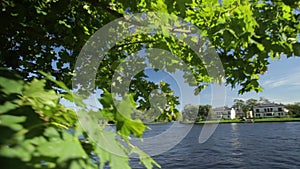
<point x="159" y="122"/>
<point x="221" y="121"/>
<point x="216" y="121"/>
<point x="276" y="120"/>
<point x="242" y="121"/>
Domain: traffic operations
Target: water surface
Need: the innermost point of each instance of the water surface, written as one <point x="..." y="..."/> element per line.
<point x="236" y="145"/>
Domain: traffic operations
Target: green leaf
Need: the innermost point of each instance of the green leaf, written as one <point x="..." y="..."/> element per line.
<point x="260" y="47"/>
<point x="10" y="86"/>
<point x="296" y="49"/>
<point x="51" y="132"/>
<point x="12" y="121"/>
<point x="51" y="149"/>
<point x="119" y="162"/>
<point x="135" y="127"/>
<point x="126" y="106"/>
<point x="22" y="151"/>
<point x="71" y="151"/>
<point x="58" y="83"/>
<point x="62" y="22"/>
<point x="107" y="140"/>
<point x="145" y="158"/>
<point x="35" y="89"/>
<point x="7" y="106"/>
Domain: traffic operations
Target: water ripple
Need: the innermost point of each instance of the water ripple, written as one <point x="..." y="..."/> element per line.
<point x="258" y="145"/>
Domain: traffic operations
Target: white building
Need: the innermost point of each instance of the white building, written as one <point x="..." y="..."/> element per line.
<point x="232" y="114"/>
<point x="224" y="113"/>
<point x="269" y="110"/>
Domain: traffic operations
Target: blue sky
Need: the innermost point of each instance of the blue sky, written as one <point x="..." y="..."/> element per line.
<point x="281" y="84"/>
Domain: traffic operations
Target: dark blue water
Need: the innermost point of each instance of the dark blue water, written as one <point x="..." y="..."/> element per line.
<point x="242" y="145"/>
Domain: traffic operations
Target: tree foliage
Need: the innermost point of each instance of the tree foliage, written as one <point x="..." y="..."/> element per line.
<point x="48" y="35"/>
<point x="294" y="109"/>
<point x="245" y="33"/>
<point x="196" y="113"/>
<point x="38" y="132"/>
<point x="247" y="105"/>
<point x="240" y="104"/>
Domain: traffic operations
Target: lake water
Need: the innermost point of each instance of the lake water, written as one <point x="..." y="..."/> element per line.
<point x="237" y="145"/>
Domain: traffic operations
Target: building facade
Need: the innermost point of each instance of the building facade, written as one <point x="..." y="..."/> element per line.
<point x="269" y="110"/>
<point x="224" y="113"/>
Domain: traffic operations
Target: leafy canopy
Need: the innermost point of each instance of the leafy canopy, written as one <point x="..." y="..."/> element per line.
<point x="48" y="35"/>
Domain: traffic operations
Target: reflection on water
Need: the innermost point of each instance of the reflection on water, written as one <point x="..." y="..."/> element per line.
<point x="234" y="136"/>
<point x="237" y="154"/>
<point x="249" y="145"/>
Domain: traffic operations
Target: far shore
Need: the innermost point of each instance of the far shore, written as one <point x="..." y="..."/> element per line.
<point x="262" y="120"/>
<point x="223" y="121"/>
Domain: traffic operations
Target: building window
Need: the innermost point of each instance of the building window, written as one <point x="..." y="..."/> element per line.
<point x="258" y="115"/>
<point x="271" y="109"/>
<point x="257" y="110"/>
<point x="279" y="109"/>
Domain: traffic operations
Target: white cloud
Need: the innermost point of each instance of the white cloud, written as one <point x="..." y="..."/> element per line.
<point x="280" y="81"/>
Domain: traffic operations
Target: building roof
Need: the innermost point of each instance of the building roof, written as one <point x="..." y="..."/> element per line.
<point x="224" y="108"/>
<point x="268" y="105"/>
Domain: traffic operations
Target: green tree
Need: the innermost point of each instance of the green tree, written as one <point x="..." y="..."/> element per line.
<point x="250" y="103"/>
<point x="264" y="100"/>
<point x="245" y="34"/>
<point x="294" y="109"/>
<point x="190" y="113"/>
<point x="240" y="105"/>
<point x="203" y="112"/>
<point x="195" y="113"/>
<point x="48" y="35"/>
<point x="245" y="106"/>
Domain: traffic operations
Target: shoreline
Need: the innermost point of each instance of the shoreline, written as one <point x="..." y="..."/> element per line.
<point x="264" y="120"/>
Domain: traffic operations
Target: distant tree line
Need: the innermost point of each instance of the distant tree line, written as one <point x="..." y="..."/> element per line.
<point x="294" y="109"/>
<point x="195" y="113"/>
